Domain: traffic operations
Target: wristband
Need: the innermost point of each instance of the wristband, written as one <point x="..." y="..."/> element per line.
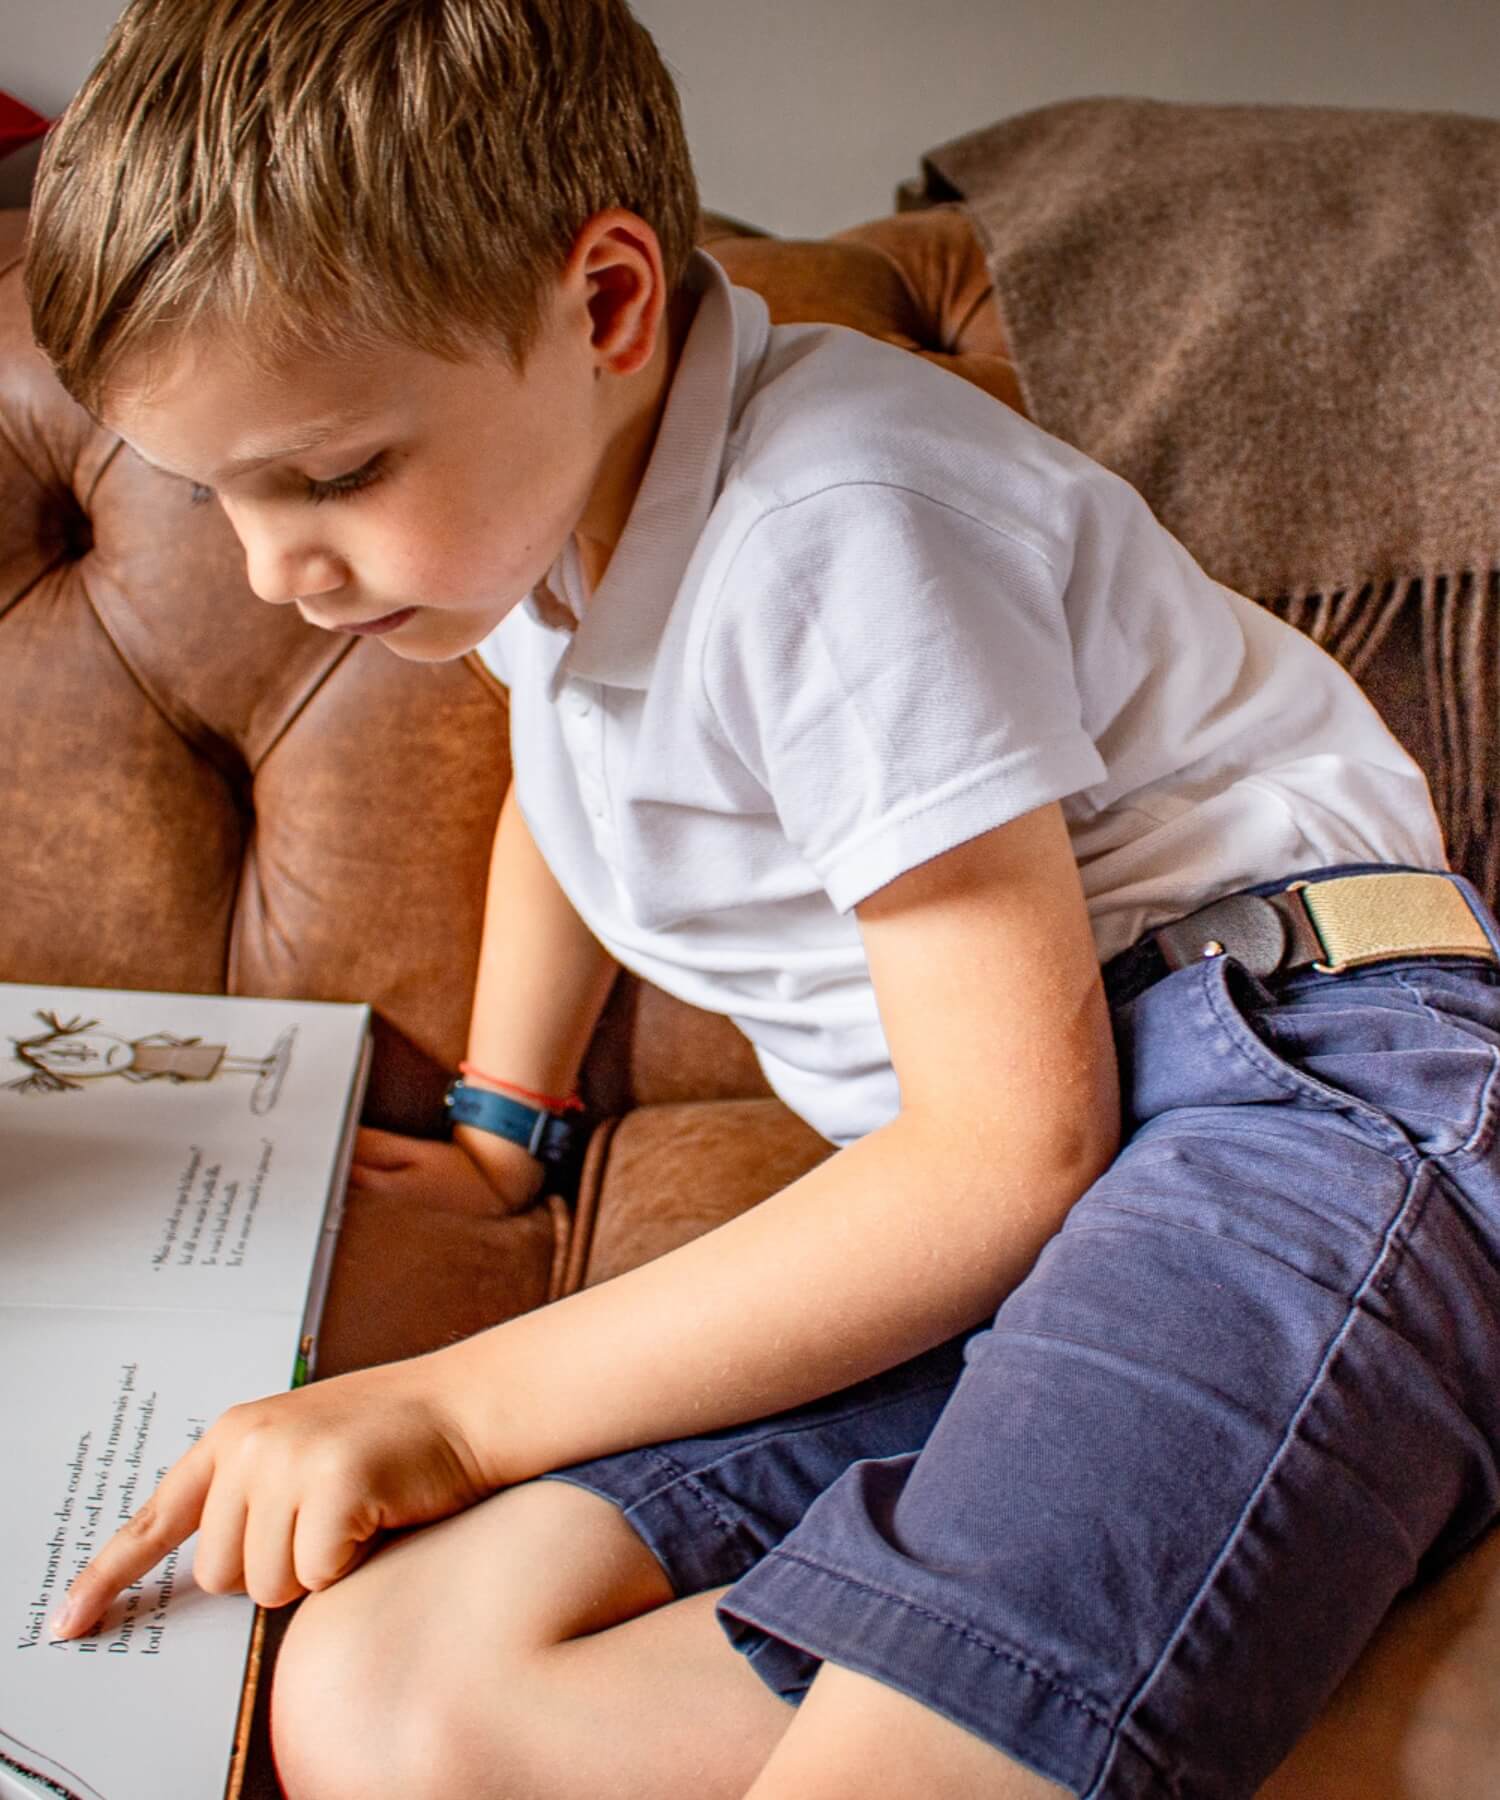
<point x="552" y="1102"/>
<point x="552" y="1139"/>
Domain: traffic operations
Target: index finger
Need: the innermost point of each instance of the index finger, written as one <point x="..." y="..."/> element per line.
<point x="170" y="1515"/>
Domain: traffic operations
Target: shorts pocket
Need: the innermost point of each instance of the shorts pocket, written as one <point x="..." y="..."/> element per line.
<point x="1377" y="1043"/>
<point x="1247" y="1012"/>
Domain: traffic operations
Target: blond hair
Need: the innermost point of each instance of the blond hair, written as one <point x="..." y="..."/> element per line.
<point x="337" y="174"/>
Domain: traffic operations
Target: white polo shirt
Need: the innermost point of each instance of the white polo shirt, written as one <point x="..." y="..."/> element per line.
<point x="860" y="613"/>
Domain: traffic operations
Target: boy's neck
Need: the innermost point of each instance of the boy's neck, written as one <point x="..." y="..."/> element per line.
<point x="629" y="451"/>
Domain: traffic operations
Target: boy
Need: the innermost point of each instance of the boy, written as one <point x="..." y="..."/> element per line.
<point x="847" y="703"/>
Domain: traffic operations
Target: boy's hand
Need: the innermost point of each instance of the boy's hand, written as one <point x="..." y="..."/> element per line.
<point x="435" y="1173"/>
<point x="288" y="1493"/>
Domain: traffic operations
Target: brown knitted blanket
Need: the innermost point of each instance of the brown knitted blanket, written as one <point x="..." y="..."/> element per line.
<point x="1282" y="325"/>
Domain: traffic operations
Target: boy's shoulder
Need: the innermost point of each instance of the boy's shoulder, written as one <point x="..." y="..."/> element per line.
<point x="830" y="410"/>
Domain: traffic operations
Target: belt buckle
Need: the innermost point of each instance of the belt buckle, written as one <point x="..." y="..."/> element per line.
<point x="1331" y="925"/>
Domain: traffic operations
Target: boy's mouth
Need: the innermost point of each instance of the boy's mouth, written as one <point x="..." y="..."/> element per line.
<point x="377" y="627"/>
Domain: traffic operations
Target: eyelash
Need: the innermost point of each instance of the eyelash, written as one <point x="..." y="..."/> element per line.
<point x="340" y="487"/>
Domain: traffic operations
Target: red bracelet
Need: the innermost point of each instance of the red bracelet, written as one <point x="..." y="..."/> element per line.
<point x="549" y="1102"/>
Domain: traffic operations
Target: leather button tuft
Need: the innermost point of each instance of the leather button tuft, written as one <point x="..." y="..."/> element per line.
<point x="69" y="526"/>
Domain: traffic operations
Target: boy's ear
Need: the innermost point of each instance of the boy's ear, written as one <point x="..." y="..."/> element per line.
<point x="618" y="258"/>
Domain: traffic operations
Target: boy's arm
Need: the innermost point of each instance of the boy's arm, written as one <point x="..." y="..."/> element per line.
<point x="542" y="982"/>
<point x="987" y="979"/>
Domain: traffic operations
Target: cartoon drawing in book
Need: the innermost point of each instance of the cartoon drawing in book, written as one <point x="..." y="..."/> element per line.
<point x="70" y="1053"/>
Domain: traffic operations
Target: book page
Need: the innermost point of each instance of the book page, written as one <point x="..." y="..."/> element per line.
<point x="96" y="1408"/>
<point x="168" y="1150"/>
<point x="171" y="1174"/>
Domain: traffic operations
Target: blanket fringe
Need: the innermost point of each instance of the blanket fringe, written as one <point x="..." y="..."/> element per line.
<point x="1454" y="621"/>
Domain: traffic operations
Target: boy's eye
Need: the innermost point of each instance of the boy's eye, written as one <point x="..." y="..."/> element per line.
<point x="338" y="487"/>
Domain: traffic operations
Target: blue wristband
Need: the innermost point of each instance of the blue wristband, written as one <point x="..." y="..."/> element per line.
<point x="551" y="1138"/>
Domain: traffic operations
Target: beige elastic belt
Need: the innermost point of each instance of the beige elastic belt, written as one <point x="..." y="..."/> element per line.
<point x="1332" y="925"/>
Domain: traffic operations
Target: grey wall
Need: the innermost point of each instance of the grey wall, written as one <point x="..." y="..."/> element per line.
<point x="804" y="114"/>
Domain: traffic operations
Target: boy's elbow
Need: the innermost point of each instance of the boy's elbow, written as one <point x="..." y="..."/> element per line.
<point x="1038" y="1153"/>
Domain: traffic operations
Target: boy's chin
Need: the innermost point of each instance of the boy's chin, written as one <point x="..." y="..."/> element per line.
<point x="420" y="652"/>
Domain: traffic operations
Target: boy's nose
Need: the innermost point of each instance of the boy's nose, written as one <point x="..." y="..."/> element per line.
<point x="282" y="579"/>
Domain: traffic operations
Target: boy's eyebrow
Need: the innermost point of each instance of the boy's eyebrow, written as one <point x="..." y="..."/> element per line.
<point x="299" y="445"/>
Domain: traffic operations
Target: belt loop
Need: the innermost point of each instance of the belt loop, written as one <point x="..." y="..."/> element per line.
<point x="1305" y="927"/>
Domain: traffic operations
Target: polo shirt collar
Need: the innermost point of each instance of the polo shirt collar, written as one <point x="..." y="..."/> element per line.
<point x="616" y="639"/>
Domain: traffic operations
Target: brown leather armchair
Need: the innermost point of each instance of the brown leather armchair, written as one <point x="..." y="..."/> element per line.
<point x="200" y="792"/>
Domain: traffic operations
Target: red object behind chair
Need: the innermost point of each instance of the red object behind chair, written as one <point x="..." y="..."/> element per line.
<point x="18" y="124"/>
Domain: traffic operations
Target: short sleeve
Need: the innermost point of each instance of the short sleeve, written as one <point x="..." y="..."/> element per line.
<point x="898" y="676"/>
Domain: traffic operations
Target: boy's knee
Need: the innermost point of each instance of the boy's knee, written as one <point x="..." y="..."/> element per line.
<point x="354" y="1712"/>
<point x="422" y="1671"/>
<point x="326" y="1710"/>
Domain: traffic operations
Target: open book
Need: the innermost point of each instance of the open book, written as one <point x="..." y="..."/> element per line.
<point x="172" y="1168"/>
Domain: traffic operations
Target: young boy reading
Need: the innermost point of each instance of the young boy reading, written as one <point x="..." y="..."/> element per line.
<point x="1071" y="1427"/>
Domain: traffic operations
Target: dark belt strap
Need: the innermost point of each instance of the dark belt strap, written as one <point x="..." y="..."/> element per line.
<point x="1344" y="922"/>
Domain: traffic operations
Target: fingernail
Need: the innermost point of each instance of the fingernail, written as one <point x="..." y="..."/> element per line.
<point x="66" y="1618"/>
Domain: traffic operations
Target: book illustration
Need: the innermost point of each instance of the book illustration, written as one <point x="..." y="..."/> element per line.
<point x="46" y="1776"/>
<point x="71" y="1052"/>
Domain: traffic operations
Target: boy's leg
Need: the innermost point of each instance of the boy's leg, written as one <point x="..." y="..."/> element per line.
<point x="1418" y="1717"/>
<point x="528" y="1647"/>
<point x="536" y="1638"/>
<point x="857" y="1739"/>
<point x="396" y="1681"/>
<point x="1251" y="1391"/>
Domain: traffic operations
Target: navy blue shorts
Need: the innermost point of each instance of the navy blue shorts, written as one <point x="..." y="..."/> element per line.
<point x="1135" y="1531"/>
